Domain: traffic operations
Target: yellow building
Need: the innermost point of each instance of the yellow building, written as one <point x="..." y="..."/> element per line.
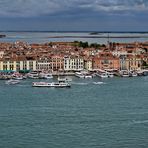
<point x="17" y="65"/>
<point x="88" y="64"/>
<point x="8" y="65"/>
<point x="133" y="62"/>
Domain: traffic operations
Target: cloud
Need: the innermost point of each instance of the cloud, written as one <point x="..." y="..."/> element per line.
<point x="30" y="8"/>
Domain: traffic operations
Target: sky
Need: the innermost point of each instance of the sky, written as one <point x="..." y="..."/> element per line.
<point x="74" y="15"/>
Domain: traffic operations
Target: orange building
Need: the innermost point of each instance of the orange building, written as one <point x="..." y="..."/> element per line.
<point x="105" y="61"/>
<point x="57" y="62"/>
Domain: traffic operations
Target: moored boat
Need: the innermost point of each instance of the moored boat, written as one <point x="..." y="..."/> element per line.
<point x="133" y="74"/>
<point x="124" y="73"/>
<point x="79" y="75"/>
<point x="102" y="74"/>
<point x="64" y="79"/>
<point x="110" y="74"/>
<point x="45" y="76"/>
<point x="33" y="75"/>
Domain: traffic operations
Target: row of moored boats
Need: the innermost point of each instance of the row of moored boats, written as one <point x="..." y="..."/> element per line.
<point x="65" y="82"/>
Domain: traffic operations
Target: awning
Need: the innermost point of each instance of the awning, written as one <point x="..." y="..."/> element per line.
<point x="7" y="71"/>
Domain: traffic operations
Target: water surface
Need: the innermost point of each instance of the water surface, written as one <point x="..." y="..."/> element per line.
<point x="113" y="114"/>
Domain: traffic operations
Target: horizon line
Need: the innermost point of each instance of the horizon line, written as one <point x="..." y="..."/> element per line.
<point x="64" y="31"/>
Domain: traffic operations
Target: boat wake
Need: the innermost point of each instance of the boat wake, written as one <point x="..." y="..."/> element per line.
<point x="140" y="122"/>
<point x="79" y="83"/>
<point x="98" y="83"/>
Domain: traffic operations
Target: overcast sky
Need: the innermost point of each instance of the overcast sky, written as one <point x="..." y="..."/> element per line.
<point x="76" y="15"/>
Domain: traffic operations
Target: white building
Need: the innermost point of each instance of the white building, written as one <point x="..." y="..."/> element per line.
<point x="74" y="63"/>
<point x="1" y="54"/>
<point x="44" y="64"/>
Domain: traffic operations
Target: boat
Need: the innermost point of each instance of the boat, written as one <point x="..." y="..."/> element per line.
<point x="88" y="76"/>
<point x="102" y="74"/>
<point x="133" y="74"/>
<point x="12" y="82"/>
<point x="83" y="74"/>
<point x="33" y="75"/>
<point x="52" y="84"/>
<point x="110" y="74"/>
<point x="79" y="75"/>
<point x="45" y="76"/>
<point x="140" y="73"/>
<point x="18" y="78"/>
<point x="124" y="73"/>
<point x="145" y="72"/>
<point x="64" y="79"/>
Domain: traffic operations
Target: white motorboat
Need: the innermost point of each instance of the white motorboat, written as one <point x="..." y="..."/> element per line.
<point x="64" y="79"/>
<point x="45" y="76"/>
<point x="102" y="74"/>
<point x="88" y="76"/>
<point x="33" y="75"/>
<point x="133" y="74"/>
<point x="12" y="82"/>
<point x="110" y="75"/>
<point x="18" y="78"/>
<point x="52" y="84"/>
<point x="124" y="73"/>
<point x="79" y="75"/>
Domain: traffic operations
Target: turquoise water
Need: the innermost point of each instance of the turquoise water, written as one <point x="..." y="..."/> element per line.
<point x="110" y="115"/>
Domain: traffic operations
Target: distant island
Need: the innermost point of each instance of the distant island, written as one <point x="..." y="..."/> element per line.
<point x="94" y="33"/>
<point x="2" y="35"/>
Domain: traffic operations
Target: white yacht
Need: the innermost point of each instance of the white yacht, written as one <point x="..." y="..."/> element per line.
<point x="45" y="76"/>
<point x="79" y="75"/>
<point x="33" y="75"/>
<point x="102" y="74"/>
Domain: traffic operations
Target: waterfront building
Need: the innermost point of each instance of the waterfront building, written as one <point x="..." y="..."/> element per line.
<point x="26" y="65"/>
<point x="88" y="64"/>
<point x="17" y="64"/>
<point x="122" y="59"/>
<point x="7" y="64"/>
<point x="133" y="62"/>
<point x="44" y="63"/>
<point x="57" y="62"/>
<point x="73" y="63"/>
<point x="106" y="61"/>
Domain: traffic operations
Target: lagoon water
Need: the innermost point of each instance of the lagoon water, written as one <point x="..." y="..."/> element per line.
<point x="109" y="115"/>
<point x="44" y="37"/>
